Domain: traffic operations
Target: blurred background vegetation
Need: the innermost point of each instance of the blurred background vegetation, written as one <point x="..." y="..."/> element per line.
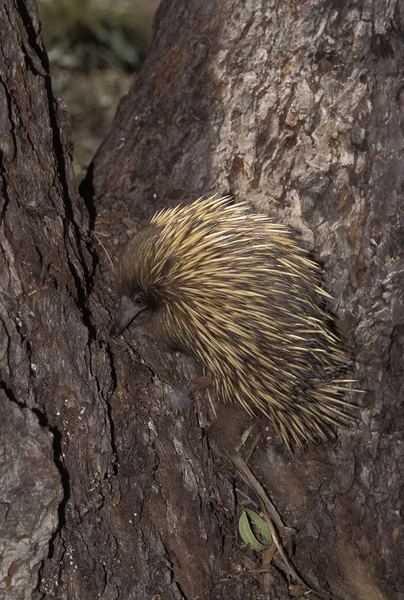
<point x="94" y="48"/>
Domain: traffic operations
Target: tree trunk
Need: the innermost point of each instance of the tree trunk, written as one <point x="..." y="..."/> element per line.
<point x="298" y="108"/>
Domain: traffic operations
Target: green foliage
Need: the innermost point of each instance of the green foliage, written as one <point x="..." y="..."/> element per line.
<point x="85" y="35"/>
<point x="254" y="531"/>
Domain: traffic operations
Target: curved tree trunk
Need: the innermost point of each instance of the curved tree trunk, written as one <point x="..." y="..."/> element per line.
<point x="297" y="108"/>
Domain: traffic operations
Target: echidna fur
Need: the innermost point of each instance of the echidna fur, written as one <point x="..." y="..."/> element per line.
<point x="236" y="291"/>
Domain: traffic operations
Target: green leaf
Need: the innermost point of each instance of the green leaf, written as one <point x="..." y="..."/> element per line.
<point x="247" y="521"/>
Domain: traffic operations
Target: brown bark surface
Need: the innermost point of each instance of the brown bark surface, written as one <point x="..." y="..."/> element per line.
<point x="297" y="107"/>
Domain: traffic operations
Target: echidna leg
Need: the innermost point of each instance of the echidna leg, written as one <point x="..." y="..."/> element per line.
<point x="202" y="383"/>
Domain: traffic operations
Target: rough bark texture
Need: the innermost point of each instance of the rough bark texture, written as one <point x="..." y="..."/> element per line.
<point x="54" y="375"/>
<point x="297" y="107"/>
<point x="30" y="494"/>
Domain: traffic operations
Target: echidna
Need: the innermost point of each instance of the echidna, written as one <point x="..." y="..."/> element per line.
<point x="235" y="291"/>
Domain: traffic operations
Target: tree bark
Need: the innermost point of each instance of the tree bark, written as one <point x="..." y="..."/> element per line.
<point x="297" y="108"/>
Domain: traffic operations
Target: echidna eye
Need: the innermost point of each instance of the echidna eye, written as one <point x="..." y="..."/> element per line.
<point x="139" y="298"/>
